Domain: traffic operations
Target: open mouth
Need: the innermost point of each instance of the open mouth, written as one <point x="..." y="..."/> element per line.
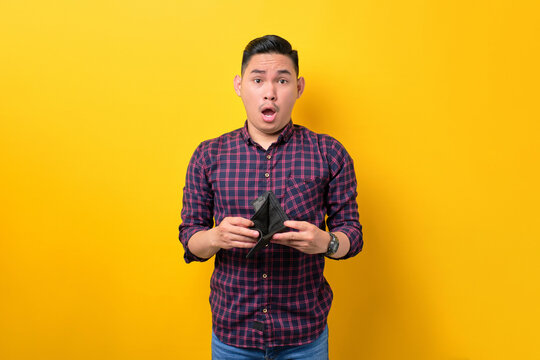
<point x="268" y="113"/>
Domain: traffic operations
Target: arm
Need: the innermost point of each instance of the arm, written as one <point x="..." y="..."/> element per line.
<point x="197" y="204"/>
<point x="341" y="205"/>
<point x="232" y="232"/>
<point x="199" y="239"/>
<point x="310" y="239"/>
<point x="341" y="209"/>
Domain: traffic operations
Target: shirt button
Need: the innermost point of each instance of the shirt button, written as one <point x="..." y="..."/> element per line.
<point x="266" y="175"/>
<point x="265" y="276"/>
<point x="265" y="310"/>
<point x="268" y="157"/>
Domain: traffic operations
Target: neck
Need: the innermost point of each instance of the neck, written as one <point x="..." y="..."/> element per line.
<point x="263" y="139"/>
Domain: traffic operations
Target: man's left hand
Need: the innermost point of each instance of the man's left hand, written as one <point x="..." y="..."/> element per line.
<point x="308" y="239"/>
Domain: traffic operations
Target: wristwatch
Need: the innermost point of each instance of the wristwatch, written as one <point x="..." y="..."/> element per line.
<point x="333" y="245"/>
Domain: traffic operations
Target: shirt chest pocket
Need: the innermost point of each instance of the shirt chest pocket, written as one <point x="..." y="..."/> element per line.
<point x="304" y="199"/>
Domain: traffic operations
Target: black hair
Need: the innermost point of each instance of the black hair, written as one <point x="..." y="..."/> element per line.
<point x="269" y="44"/>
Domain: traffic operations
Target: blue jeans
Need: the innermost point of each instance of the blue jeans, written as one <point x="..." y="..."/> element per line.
<point x="316" y="350"/>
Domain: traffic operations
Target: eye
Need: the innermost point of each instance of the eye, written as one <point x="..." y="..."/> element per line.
<point x="283" y="81"/>
<point x="257" y="81"/>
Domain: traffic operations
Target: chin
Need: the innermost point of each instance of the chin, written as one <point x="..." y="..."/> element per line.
<point x="269" y="128"/>
<point x="274" y="128"/>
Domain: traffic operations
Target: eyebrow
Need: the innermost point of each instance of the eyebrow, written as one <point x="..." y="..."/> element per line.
<point x="257" y="71"/>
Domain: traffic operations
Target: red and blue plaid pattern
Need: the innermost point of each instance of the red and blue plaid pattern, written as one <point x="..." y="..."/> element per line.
<point x="280" y="296"/>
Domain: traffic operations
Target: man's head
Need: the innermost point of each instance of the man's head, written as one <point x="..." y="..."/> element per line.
<point x="269" y="44"/>
<point x="269" y="85"/>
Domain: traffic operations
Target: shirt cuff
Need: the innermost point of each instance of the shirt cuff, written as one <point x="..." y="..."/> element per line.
<point x="356" y="240"/>
<point x="185" y="235"/>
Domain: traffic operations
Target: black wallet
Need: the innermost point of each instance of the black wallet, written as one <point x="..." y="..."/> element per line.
<point x="268" y="220"/>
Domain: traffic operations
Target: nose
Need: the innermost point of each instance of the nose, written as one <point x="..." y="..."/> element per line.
<point x="270" y="93"/>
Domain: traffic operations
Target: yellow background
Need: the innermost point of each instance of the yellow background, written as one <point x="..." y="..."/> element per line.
<point x="103" y="102"/>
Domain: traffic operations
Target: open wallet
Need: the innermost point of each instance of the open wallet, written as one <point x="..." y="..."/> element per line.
<point x="268" y="220"/>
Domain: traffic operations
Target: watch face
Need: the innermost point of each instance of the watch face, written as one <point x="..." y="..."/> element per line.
<point x="333" y="245"/>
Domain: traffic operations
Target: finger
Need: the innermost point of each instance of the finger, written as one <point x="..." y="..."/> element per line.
<point x="238" y="230"/>
<point x="289" y="243"/>
<point x="288" y="236"/>
<point x="238" y="244"/>
<point x="241" y="238"/>
<point x="298" y="225"/>
<point x="243" y="245"/>
<point x="240" y="221"/>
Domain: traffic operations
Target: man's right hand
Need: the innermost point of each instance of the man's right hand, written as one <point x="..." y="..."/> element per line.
<point x="232" y="232"/>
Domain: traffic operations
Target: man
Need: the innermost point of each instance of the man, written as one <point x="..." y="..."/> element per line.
<point x="276" y="303"/>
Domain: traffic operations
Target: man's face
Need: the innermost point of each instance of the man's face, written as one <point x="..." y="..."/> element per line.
<point x="268" y="88"/>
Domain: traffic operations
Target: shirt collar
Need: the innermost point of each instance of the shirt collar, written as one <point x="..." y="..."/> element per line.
<point x="284" y="136"/>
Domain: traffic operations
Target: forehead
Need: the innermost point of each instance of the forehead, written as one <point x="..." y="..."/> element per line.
<point x="270" y="63"/>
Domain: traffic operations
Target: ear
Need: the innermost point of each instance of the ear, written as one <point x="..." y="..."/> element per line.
<point x="238" y="85"/>
<point x="300" y="84"/>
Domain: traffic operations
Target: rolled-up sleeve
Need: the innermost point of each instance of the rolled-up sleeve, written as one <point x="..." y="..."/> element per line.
<point x="197" y="204"/>
<point x="342" y="208"/>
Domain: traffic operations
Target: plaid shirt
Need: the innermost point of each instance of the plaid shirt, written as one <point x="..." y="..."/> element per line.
<point x="280" y="296"/>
